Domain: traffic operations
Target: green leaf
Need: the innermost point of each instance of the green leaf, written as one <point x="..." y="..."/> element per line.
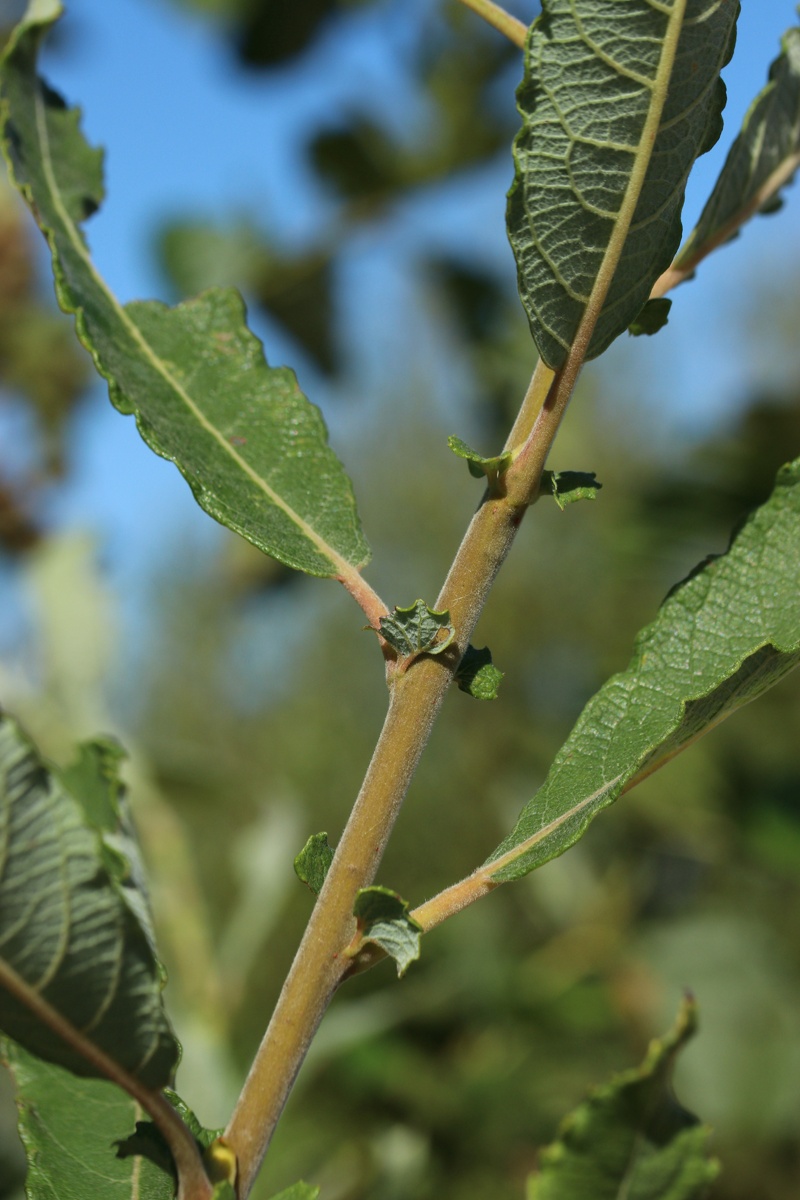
<point x="479" y="467"/>
<point x="252" y="448"/>
<point x="69" y="1129"/>
<point x="568" y="486"/>
<point x="631" y="1137"/>
<point x="477" y="675"/>
<point x="617" y="102"/>
<point x="311" y="864"/>
<point x="147" y="1141"/>
<point x="722" y="637"/>
<point x="76" y="944"/>
<point x="298" y="1191"/>
<point x="654" y="316"/>
<point x="417" y="630"/>
<point x="761" y="161"/>
<point x="383" y="918"/>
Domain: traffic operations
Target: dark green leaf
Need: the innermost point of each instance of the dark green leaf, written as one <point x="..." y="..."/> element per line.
<point x="762" y="160"/>
<point x="383" y="918"/>
<point x="417" y="630"/>
<point x="568" y="486"/>
<point x="311" y="864"/>
<point x="477" y="675"/>
<point x="722" y="637"/>
<point x="631" y="1137"/>
<point x="478" y="465"/>
<point x="252" y="448"/>
<point x="617" y="102"/>
<point x="75" y="936"/>
<point x="69" y="1128"/>
<point x="654" y="316"/>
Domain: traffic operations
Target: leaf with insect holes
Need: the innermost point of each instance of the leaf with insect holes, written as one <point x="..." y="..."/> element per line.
<point x="479" y="467"/>
<point x="568" y="486"/>
<point x="617" y="102"/>
<point x="721" y="638"/>
<point x="252" y="448"/>
<point x="417" y="630"/>
<point x="477" y="675"/>
<point x="761" y="161"/>
<point x="312" y="863"/>
<point x="631" y="1137"/>
<point x="383" y="918"/>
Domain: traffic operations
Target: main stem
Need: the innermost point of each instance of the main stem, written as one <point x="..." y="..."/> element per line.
<point x="415" y="698"/>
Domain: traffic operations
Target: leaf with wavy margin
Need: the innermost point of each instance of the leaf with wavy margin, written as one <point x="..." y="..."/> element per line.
<point x="78" y="968"/>
<point x="722" y="637"/>
<point x="252" y="448"/>
<point x="617" y="102"/>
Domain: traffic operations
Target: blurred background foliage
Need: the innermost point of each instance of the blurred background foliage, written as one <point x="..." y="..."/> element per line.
<point x="250" y="701"/>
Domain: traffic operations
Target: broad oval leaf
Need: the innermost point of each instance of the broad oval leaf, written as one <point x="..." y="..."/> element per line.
<point x="617" y="102"/>
<point x="761" y="161"/>
<point x="721" y="638"/>
<point x="75" y="942"/>
<point x="253" y="449"/>
<point x="69" y="1130"/>
<point x="631" y="1138"/>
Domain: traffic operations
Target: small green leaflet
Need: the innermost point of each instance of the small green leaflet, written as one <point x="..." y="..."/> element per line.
<point x="568" y="486"/>
<point x="311" y="864"/>
<point x="722" y="637"/>
<point x="761" y="161"/>
<point x="383" y="918"/>
<point x="88" y="1116"/>
<point x="75" y="937"/>
<point x="417" y="630"/>
<point x="250" y="445"/>
<point x="617" y="102"/>
<point x="298" y="1191"/>
<point x="479" y="467"/>
<point x="654" y="316"/>
<point x="477" y="675"/>
<point x="631" y="1137"/>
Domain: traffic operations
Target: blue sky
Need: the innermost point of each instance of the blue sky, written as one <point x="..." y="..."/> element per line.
<point x="187" y="133"/>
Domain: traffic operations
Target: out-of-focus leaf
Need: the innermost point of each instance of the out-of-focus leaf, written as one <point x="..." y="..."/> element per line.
<point x="617" y="102"/>
<point x="383" y="918"/>
<point x="654" y="316"/>
<point x="311" y="864"/>
<point x="75" y="939"/>
<point x="298" y="1191"/>
<point x="250" y="445"/>
<point x="722" y="637"/>
<point x="417" y="630"/>
<point x="477" y="675"/>
<point x="761" y="161"/>
<point x="568" y="486"/>
<point x="69" y="1127"/>
<point x="631" y="1137"/>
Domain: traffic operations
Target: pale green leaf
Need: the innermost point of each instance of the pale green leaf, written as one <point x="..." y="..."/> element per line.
<point x="617" y="102"/>
<point x="721" y="638"/>
<point x="417" y="630"/>
<point x="311" y="864"/>
<point x="477" y="675"/>
<point x="69" y="1128"/>
<point x="653" y="317"/>
<point x="479" y="466"/>
<point x="75" y="937"/>
<point x="568" y="486"/>
<point x="252" y="448"/>
<point x="631" y="1138"/>
<point x="383" y="918"/>
<point x="298" y="1191"/>
<point x="761" y="161"/>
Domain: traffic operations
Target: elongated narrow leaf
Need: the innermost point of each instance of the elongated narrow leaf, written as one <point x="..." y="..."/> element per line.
<point x="75" y="940"/>
<point x="617" y="102"/>
<point x="69" y="1128"/>
<point x="763" y="158"/>
<point x="721" y="638"/>
<point x="631" y="1138"/>
<point x="252" y="448"/>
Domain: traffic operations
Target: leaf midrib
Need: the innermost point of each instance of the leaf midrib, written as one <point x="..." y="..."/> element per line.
<point x="341" y="565"/>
